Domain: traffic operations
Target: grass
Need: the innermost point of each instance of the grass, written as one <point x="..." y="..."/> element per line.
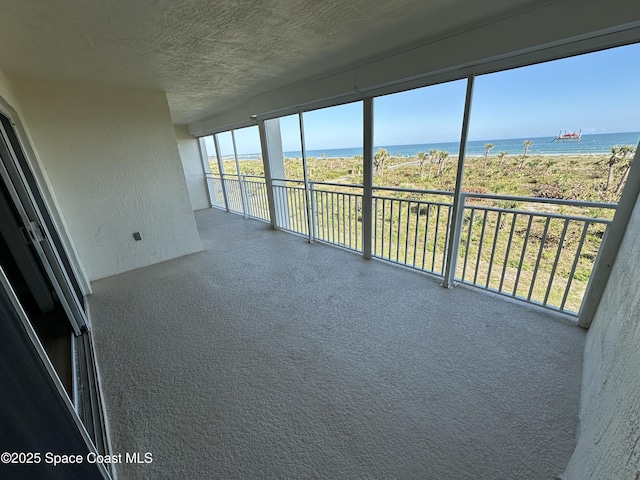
<point x="578" y="177"/>
<point x="412" y="228"/>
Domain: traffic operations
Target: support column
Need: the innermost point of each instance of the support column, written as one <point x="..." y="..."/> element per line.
<point x="221" y="168"/>
<point x="367" y="178"/>
<point x="458" y="199"/>
<point x="308" y="194"/>
<point x="206" y="170"/>
<point x="273" y="162"/>
<point x="241" y="185"/>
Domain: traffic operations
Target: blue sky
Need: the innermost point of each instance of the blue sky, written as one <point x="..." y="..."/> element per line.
<point x="597" y="93"/>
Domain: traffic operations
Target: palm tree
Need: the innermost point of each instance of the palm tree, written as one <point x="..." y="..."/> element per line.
<point x="433" y="158"/>
<point x="624" y="151"/>
<point x="442" y="156"/>
<point x="527" y="144"/>
<point x="613" y="159"/>
<point x="378" y="160"/>
<point x="422" y="158"/>
<point x="487" y="147"/>
<point x="501" y="155"/>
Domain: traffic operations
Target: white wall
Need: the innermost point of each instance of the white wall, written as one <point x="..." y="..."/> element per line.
<point x="10" y="104"/>
<point x="609" y="438"/>
<point x="6" y="91"/>
<point x="111" y="157"/>
<point x="192" y="166"/>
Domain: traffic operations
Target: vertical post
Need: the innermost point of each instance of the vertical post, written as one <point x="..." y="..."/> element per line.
<point x="264" y="128"/>
<point x="247" y="196"/>
<point x="206" y="170"/>
<point x="216" y="144"/>
<point x="314" y="223"/>
<point x="458" y="198"/>
<point x="311" y="220"/>
<point x="367" y="177"/>
<point x="240" y="179"/>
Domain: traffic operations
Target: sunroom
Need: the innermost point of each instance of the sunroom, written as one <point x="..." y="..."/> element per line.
<point x="174" y="304"/>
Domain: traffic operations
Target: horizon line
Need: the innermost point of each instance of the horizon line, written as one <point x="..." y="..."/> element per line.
<point x="457" y="141"/>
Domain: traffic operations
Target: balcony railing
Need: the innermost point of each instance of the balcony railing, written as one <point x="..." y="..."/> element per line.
<point x="537" y="250"/>
<point x="246" y="195"/>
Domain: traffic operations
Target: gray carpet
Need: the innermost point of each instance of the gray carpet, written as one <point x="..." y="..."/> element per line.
<point x="267" y="357"/>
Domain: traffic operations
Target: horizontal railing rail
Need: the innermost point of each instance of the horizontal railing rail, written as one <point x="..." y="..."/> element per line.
<point x="539" y="250"/>
<point x="554" y="201"/>
<point x="334" y="184"/>
<point x="414" y="191"/>
<point x="233" y="175"/>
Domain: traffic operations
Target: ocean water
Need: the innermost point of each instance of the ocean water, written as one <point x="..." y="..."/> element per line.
<point x="590" y="144"/>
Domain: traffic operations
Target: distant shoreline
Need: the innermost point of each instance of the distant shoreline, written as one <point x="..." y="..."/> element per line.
<point x="242" y="158"/>
<point x="591" y="144"/>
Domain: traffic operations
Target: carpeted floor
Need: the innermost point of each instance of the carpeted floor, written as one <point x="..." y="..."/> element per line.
<point x="267" y="357"/>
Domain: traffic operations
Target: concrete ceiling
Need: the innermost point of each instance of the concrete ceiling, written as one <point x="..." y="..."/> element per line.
<point x="211" y="56"/>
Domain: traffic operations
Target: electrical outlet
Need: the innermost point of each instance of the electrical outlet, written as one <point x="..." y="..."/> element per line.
<point x="137" y="237"/>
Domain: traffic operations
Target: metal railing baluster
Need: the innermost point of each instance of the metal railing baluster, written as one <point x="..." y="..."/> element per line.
<point x="466" y="253"/>
<point x="314" y="219"/>
<point x="540" y="250"/>
<point x="359" y="245"/>
<point x="435" y="240"/>
<point x="576" y="259"/>
<point x="399" y="229"/>
<point x="524" y="251"/>
<point x="480" y="245"/>
<point x="508" y="251"/>
<point x="406" y="234"/>
<point x="391" y="223"/>
<point x="382" y="233"/>
<point x="415" y="234"/>
<point x="333" y="220"/>
<point x="555" y="262"/>
<point x="493" y="248"/>
<point x="446" y="241"/>
<point x="426" y="235"/>
<point x="344" y="223"/>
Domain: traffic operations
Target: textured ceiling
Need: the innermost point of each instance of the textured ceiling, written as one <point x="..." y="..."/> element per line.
<point x="211" y="56"/>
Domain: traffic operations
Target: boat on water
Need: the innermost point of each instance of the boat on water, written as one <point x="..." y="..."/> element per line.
<point x="575" y="136"/>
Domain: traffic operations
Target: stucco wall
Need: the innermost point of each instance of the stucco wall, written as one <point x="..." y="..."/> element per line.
<point x="609" y="438"/>
<point x="8" y="99"/>
<point x="192" y="166"/>
<point x="112" y="160"/>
